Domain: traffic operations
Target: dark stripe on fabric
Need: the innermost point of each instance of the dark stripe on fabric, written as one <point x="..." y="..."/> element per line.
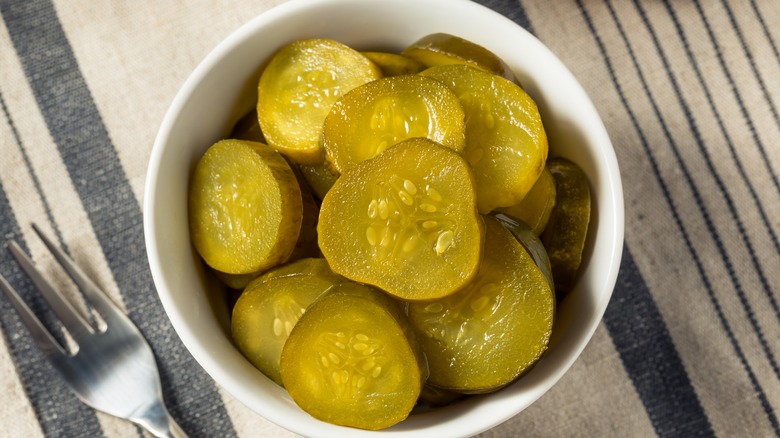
<point x="59" y="412"/>
<point x="765" y="29"/>
<point x="723" y="252"/>
<point x="759" y="78"/>
<point x="33" y="175"/>
<point x="94" y="167"/>
<point x="662" y="424"/>
<point x="511" y="9"/>
<point x="735" y="158"/>
<point x="650" y="357"/>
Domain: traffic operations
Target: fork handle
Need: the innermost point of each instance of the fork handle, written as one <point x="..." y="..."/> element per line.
<point x="158" y="421"/>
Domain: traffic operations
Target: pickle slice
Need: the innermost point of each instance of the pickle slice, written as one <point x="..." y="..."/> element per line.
<point x="445" y="49"/>
<point x="244" y="207"/>
<point x="565" y="234"/>
<point x="530" y="241"/>
<point x="484" y="336"/>
<point x="393" y="64"/>
<point x="297" y="89"/>
<point x="319" y="178"/>
<point x="404" y="221"/>
<point x="379" y="114"/>
<point x="537" y="205"/>
<point x="270" y="306"/>
<point x="306" y="245"/>
<point x="352" y="360"/>
<point x="505" y="141"/>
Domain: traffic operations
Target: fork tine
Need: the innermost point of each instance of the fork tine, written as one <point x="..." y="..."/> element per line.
<point x="72" y="320"/>
<point x="41" y="336"/>
<point x="96" y="297"/>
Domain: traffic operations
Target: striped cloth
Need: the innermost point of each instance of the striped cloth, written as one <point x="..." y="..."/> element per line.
<point x="688" y="90"/>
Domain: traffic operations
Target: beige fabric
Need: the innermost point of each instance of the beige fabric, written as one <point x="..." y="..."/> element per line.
<point x="689" y="93"/>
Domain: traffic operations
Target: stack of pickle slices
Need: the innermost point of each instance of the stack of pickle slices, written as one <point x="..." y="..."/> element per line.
<point x="396" y="230"/>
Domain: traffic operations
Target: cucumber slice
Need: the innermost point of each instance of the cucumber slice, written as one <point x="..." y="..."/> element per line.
<point x="506" y="144"/>
<point x="352" y="360"/>
<point x="245" y="207"/>
<point x="567" y="230"/>
<point x="297" y="89"/>
<point x="486" y="335"/>
<point x="270" y="306"/>
<point x="404" y="221"/>
<point x="379" y="114"/>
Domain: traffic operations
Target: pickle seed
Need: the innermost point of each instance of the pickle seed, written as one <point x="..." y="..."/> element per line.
<point x="434" y="308"/>
<point x="433" y="194"/>
<point x="371" y="236"/>
<point x="428" y="208"/>
<point x="406" y="198"/>
<point x="444" y="242"/>
<point x="410" y="187"/>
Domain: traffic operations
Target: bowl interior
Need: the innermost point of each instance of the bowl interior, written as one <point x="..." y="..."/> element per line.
<point x="223" y="87"/>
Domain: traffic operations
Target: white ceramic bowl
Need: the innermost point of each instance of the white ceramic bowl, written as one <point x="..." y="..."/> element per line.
<point x="223" y="86"/>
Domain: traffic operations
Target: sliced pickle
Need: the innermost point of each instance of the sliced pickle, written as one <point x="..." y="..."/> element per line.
<point x="297" y="89"/>
<point x="245" y="207"/>
<point x="270" y="306"/>
<point x="445" y="49"/>
<point x="505" y="141"/>
<point x="235" y="281"/>
<point x="352" y="360"/>
<point x="306" y="245"/>
<point x="565" y="234"/>
<point x="537" y="205"/>
<point x="484" y="336"/>
<point x="393" y="64"/>
<point x="404" y="221"/>
<point x="379" y="114"/>
<point x="530" y="241"/>
<point x="319" y="178"/>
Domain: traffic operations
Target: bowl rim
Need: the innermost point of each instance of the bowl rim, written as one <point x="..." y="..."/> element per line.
<point x="500" y="412"/>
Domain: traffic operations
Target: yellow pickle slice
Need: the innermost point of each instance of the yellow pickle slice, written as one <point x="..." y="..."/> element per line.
<point x="245" y="207"/>
<point x="319" y="178"/>
<point x="352" y="360"/>
<point x="445" y="49"/>
<point x="404" y="221"/>
<point x="565" y="235"/>
<point x="379" y="114"/>
<point x="506" y="144"/>
<point x="393" y="64"/>
<point x="271" y="305"/>
<point x="297" y="89"/>
<point x="486" y="335"/>
<point x="537" y="206"/>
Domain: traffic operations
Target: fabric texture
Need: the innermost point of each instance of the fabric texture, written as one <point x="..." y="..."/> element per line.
<point x="688" y="91"/>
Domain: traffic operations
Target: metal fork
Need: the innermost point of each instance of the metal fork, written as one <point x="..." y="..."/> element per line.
<point x="113" y="369"/>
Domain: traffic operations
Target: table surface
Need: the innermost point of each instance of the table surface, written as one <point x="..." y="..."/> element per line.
<point x="689" y="93"/>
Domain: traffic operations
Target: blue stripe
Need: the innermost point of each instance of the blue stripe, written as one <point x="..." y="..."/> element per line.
<point x="752" y="63"/>
<point x="33" y="175"/>
<point x="57" y="409"/>
<point x="511" y="9"/>
<point x="94" y="167"/>
<point x="672" y="387"/>
<point x="660" y="423"/>
<point x="735" y="158"/>
<point x="650" y="358"/>
<point x="728" y="264"/>
<point x="765" y="29"/>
